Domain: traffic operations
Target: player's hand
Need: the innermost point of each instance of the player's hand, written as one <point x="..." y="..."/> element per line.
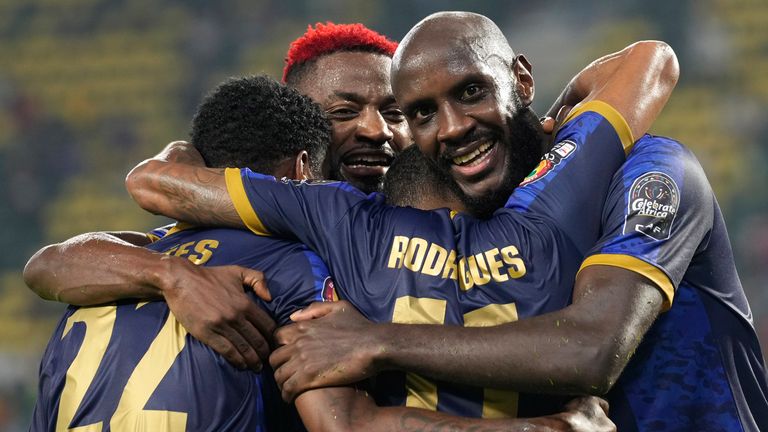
<point x="331" y="344"/>
<point x="551" y="125"/>
<point x="586" y="414"/>
<point x="211" y="303"/>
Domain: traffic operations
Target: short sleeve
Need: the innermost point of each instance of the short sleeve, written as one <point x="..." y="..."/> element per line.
<point x="570" y="184"/>
<point x="659" y="213"/>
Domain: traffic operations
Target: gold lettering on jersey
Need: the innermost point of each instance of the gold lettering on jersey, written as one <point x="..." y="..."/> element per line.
<point x="435" y="261"/>
<point x="421" y="256"/>
<point x="511" y="257"/>
<point x="414" y="255"/>
<point x="450" y="271"/>
<point x="204" y="249"/>
<point x="397" y="255"/>
<point x="199" y="252"/>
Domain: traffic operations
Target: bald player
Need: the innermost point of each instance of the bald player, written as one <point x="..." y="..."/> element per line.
<point x="663" y="260"/>
<point x="406" y="266"/>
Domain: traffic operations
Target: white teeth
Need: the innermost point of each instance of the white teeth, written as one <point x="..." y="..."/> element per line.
<point x="369" y="161"/>
<point x="461" y="160"/>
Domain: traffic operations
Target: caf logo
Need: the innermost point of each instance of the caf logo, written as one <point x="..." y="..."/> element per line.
<point x="652" y="205"/>
<point x="560" y="151"/>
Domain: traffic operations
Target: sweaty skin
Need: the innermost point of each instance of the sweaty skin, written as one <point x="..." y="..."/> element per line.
<point x="367" y="125"/>
<point x="464" y="90"/>
<point x="172" y="185"/>
<point x="68" y="272"/>
<point x="594" y="368"/>
<point x="446" y="110"/>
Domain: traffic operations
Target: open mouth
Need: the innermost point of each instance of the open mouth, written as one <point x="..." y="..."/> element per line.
<point x="366" y="166"/>
<point x="380" y="160"/>
<point x="476" y="156"/>
<point x="475" y="161"/>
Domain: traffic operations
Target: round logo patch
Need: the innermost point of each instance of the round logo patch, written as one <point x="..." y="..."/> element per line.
<point x="653" y="202"/>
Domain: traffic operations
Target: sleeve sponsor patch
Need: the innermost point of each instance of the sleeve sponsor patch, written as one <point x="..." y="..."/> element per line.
<point x="329" y="291"/>
<point x="560" y="151"/>
<point x="652" y="205"/>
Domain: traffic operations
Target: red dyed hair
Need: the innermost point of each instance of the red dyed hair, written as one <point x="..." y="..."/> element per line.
<point x="329" y="38"/>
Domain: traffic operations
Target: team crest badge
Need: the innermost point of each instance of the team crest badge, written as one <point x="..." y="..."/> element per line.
<point x="652" y="205"/>
<point x="560" y="151"/>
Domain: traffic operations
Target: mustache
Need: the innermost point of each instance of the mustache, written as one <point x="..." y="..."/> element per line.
<point x="469" y="138"/>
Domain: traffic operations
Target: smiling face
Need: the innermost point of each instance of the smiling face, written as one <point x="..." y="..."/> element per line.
<point x="465" y="113"/>
<point x="368" y="127"/>
<point x="466" y="97"/>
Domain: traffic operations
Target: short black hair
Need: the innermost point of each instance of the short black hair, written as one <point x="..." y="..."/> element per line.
<point x="255" y="122"/>
<point x="414" y="178"/>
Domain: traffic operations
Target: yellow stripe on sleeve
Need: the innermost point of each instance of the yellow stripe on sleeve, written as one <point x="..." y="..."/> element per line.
<point x="658" y="277"/>
<point x="242" y="205"/>
<point x="614" y="118"/>
<point x="179" y="226"/>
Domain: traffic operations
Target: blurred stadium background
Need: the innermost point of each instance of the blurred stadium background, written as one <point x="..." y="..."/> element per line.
<point x="88" y="88"/>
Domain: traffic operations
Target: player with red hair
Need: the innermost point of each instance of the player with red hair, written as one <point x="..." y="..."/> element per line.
<point x="329" y="38"/>
<point x="345" y="69"/>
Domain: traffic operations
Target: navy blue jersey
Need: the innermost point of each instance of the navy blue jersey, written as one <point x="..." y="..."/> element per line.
<point x="700" y="366"/>
<point x="409" y="266"/>
<point x="132" y="366"/>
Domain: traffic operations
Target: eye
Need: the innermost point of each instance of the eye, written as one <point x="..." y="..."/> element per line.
<point x="471" y="92"/>
<point x="421" y="114"/>
<point x="341" y="113"/>
<point x="393" y="115"/>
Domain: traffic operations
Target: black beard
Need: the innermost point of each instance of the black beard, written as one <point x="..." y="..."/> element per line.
<point x="524" y="149"/>
<point x="376" y="184"/>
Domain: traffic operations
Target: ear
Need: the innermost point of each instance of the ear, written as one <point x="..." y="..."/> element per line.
<point x="301" y="166"/>
<point x="521" y="70"/>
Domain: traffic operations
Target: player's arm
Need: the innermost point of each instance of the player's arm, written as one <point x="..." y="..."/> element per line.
<point x="176" y="183"/>
<point x="96" y="268"/>
<point x="618" y="99"/>
<point x="349" y="409"/>
<point x="209" y="302"/>
<point x="628" y="279"/>
<point x="178" y="186"/>
<point x="637" y="81"/>
<point x="578" y="350"/>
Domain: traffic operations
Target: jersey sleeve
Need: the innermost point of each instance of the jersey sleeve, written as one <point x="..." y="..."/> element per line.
<point x="303" y="211"/>
<point x="159" y="232"/>
<point x="659" y="212"/>
<point x="302" y="280"/>
<point x="570" y="184"/>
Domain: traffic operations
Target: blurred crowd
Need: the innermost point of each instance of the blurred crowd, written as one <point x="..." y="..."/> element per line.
<point x="88" y="88"/>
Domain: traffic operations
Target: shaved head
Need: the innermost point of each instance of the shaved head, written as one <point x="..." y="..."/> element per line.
<point x="467" y="96"/>
<point x="461" y="31"/>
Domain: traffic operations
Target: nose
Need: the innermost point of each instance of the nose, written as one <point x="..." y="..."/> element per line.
<point x="452" y="124"/>
<point x="373" y="128"/>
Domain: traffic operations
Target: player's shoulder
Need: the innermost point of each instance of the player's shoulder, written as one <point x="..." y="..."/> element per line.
<point x="667" y="164"/>
<point x="596" y="116"/>
<point x="225" y="245"/>
<point x="665" y="153"/>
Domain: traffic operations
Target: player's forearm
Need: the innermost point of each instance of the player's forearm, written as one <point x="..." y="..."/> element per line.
<point x="637" y="81"/>
<point x="183" y="192"/>
<point x="541" y="355"/>
<point x="348" y="409"/>
<point x="581" y="349"/>
<point x="94" y="268"/>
